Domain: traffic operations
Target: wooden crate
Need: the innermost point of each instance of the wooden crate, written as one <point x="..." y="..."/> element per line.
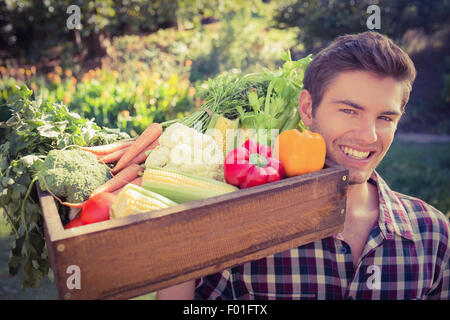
<point x="135" y="255"/>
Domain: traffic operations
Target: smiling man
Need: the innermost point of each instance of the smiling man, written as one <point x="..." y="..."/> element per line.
<point x="393" y="246"/>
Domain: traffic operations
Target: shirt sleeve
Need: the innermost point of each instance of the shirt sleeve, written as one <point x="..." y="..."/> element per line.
<point x="217" y="286"/>
<point x="440" y="290"/>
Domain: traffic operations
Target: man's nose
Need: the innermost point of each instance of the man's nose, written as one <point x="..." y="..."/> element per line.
<point x="367" y="132"/>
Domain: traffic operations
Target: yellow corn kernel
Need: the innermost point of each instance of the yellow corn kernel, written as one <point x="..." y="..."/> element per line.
<point x="181" y="179"/>
<point x="221" y="125"/>
<point x="130" y="202"/>
<point x="181" y="187"/>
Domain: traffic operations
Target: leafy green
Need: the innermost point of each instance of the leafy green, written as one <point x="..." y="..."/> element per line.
<point x="275" y="108"/>
<point x="224" y="95"/>
<point x="33" y="130"/>
<point x="284" y="87"/>
<point x="262" y="101"/>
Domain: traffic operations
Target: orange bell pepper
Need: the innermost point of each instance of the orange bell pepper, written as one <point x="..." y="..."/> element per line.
<point x="300" y="152"/>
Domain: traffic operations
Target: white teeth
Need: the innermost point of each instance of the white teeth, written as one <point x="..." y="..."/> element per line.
<point x="354" y="153"/>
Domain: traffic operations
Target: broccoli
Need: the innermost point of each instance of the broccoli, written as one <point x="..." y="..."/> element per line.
<point x="72" y="174"/>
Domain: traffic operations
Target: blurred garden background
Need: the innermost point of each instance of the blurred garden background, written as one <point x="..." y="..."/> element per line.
<point x="133" y="62"/>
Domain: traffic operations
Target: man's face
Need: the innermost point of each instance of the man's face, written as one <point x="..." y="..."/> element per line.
<point x="357" y="117"/>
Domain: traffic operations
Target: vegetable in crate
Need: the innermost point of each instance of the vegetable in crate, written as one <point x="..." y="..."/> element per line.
<point x="270" y="112"/>
<point x="76" y="222"/>
<point x="263" y="102"/>
<point x="124" y="177"/>
<point x="71" y="174"/>
<point x="223" y="131"/>
<point x="300" y="152"/>
<point x="186" y="150"/>
<point x="251" y="165"/>
<point x="97" y="208"/>
<point x="133" y="199"/>
<point x="104" y="150"/>
<point x="145" y="139"/>
<point x="181" y="187"/>
<point x="222" y="95"/>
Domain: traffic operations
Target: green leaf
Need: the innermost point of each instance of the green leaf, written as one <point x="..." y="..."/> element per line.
<point x="254" y="102"/>
<point x="61" y="125"/>
<point x="48" y="131"/>
<point x="29" y="160"/>
<point x="17" y="191"/>
<point x="14" y="265"/>
<point x="36" y="123"/>
<point x="7" y="181"/>
<point x="286" y="55"/>
<point x="34" y="277"/>
<point x="278" y="105"/>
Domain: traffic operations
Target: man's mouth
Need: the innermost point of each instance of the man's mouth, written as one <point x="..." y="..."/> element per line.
<point x="356" y="154"/>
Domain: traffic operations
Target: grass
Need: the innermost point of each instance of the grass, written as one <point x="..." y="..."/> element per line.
<point x="416" y="169"/>
<point x="419" y="170"/>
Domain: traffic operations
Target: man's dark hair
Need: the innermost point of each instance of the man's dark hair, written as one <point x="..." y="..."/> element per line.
<point x="368" y="51"/>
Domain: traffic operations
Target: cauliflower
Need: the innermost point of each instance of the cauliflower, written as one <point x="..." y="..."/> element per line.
<point x="71" y="174"/>
<point x="159" y="157"/>
<point x="186" y="150"/>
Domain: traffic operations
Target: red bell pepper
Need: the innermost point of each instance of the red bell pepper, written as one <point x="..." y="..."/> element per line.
<point x="76" y="222"/>
<point x="96" y="208"/>
<point x="251" y="165"/>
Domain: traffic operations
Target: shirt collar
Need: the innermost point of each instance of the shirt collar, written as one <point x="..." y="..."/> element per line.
<point x="393" y="215"/>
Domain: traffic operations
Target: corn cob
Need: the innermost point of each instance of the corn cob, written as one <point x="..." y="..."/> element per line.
<point x="221" y="125"/>
<point x="181" y="187"/>
<point x="134" y="199"/>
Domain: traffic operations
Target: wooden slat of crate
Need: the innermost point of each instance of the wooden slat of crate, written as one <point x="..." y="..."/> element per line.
<point x="128" y="257"/>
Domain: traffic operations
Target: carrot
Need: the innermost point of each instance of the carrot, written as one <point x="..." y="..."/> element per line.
<point x="149" y="135"/>
<point x="116" y="192"/>
<point x="69" y="204"/>
<point x="109" y="148"/>
<point x="137" y="181"/>
<point x="73" y="205"/>
<point x="119" y="180"/>
<point x="141" y="157"/>
<point x="112" y="157"/>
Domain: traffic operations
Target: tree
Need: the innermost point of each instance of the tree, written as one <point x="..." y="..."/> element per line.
<point x="31" y="27"/>
<point x="320" y="21"/>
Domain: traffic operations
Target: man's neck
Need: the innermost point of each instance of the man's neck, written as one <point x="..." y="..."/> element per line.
<point x="362" y="199"/>
<point x="362" y="213"/>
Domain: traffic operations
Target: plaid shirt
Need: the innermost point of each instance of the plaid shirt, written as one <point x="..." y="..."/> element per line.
<point x="406" y="256"/>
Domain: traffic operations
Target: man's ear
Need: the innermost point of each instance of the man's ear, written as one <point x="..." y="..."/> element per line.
<point x="305" y="107"/>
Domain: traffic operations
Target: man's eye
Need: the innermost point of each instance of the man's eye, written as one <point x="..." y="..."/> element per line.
<point x="385" y="118"/>
<point x="348" y="111"/>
